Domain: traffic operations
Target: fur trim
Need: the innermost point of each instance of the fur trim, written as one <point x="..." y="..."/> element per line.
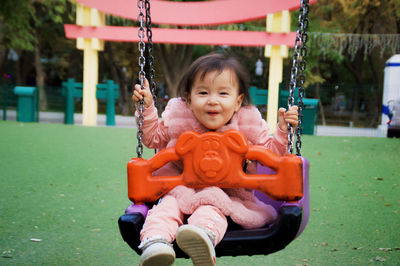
<point x="241" y="193"/>
<point x="244" y="209"/>
<point x="177" y="114"/>
<point x="252" y="214"/>
<point x="247" y="120"/>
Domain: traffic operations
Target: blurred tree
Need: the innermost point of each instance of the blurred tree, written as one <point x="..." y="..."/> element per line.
<point x="174" y="60"/>
<point x="119" y="63"/>
<point x="48" y="21"/>
<point x="365" y="23"/>
<point x="32" y="25"/>
<point x="15" y="30"/>
<point x="15" y="17"/>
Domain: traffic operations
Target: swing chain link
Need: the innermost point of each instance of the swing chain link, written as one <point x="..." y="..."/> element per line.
<point x="302" y="76"/>
<point x="142" y="75"/>
<point x="149" y="33"/>
<point x="300" y="51"/>
<point x="144" y="26"/>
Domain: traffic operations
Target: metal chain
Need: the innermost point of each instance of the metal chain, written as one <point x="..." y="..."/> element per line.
<point x="300" y="51"/>
<point x="142" y="75"/>
<point x="302" y="77"/>
<point x="151" y="74"/>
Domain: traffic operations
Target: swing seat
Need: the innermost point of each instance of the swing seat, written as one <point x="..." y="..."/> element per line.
<point x="216" y="159"/>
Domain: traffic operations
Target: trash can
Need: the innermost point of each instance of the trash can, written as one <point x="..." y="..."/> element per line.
<point x="258" y="96"/>
<point x="27" y="104"/>
<point x="309" y="116"/>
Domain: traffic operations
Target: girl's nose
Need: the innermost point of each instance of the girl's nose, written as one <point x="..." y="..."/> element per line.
<point x="212" y="100"/>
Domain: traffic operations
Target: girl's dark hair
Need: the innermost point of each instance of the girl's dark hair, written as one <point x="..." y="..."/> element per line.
<point x="215" y="62"/>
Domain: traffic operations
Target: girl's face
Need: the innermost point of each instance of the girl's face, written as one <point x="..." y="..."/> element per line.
<point x="215" y="99"/>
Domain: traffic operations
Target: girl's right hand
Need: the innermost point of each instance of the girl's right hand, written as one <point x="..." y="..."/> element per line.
<point x="145" y="94"/>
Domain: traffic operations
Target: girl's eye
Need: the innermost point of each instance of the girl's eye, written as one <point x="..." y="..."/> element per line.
<point x="224" y="93"/>
<point x="203" y="93"/>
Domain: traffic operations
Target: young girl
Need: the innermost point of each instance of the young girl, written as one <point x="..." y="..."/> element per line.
<point x="213" y="97"/>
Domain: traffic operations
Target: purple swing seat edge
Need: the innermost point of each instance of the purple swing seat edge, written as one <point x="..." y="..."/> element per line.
<point x="303" y="204"/>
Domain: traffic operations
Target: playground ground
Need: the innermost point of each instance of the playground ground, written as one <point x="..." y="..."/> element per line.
<point x="63" y="188"/>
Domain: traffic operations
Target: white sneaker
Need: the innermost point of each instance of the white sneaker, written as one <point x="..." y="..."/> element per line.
<point x="157" y="254"/>
<point x="195" y="242"/>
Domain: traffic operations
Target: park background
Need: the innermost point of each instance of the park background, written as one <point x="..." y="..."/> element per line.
<point x="349" y="43"/>
<point x="64" y="186"/>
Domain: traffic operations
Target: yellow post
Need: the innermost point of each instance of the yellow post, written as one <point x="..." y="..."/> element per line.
<point x="86" y="16"/>
<point x="278" y="22"/>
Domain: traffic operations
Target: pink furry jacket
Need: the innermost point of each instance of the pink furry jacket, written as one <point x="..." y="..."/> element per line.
<point x="240" y="204"/>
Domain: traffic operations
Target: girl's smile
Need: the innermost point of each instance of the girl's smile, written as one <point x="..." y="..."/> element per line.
<point x="212" y="113"/>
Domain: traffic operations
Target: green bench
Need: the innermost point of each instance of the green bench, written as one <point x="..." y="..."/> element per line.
<point x="108" y="91"/>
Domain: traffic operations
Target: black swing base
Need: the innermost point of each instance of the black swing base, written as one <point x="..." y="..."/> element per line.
<point x="237" y="241"/>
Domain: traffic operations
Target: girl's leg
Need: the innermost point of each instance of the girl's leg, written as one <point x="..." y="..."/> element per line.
<point x="212" y="220"/>
<point x="162" y="221"/>
<point x="159" y="231"/>
<point x="205" y="228"/>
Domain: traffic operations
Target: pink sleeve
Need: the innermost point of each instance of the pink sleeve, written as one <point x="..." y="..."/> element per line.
<point x="257" y="131"/>
<point x="155" y="133"/>
<point x="277" y="143"/>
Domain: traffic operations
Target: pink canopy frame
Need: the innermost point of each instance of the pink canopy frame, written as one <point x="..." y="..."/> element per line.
<point x="216" y="12"/>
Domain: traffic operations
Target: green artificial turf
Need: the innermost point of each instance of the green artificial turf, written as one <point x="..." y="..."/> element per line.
<point x="65" y="186"/>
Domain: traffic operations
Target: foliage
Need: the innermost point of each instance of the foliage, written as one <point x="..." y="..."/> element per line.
<point x="355" y="16"/>
<point x="55" y="48"/>
<point x="361" y="17"/>
<point x="38" y="23"/>
<point x="349" y="43"/>
<point x="15" y="22"/>
<point x="20" y="18"/>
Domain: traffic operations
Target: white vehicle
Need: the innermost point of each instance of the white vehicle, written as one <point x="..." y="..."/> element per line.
<point x="390" y="122"/>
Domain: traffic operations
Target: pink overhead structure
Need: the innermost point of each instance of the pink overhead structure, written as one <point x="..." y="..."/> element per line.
<point x="216" y="12"/>
<point x="183" y="36"/>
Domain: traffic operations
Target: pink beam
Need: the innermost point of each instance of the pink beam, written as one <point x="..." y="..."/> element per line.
<point x="196" y="13"/>
<point x="183" y="36"/>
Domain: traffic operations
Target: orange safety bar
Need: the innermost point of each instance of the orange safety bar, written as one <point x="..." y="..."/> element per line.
<point x="216" y="159"/>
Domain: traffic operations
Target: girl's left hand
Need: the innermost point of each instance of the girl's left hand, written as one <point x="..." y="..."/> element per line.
<point x="288" y="117"/>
